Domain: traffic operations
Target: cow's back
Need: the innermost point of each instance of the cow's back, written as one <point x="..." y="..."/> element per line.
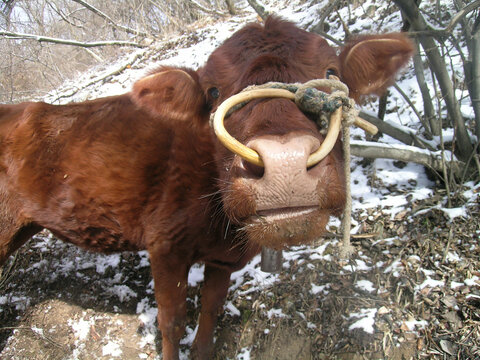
<point x="98" y="163"/>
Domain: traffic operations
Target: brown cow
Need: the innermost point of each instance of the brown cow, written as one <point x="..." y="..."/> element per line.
<point x="144" y="170"/>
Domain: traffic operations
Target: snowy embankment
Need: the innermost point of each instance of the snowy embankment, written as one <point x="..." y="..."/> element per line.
<point x="382" y="191"/>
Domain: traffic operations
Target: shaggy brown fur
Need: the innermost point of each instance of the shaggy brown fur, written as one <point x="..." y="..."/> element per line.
<point x="144" y="171"/>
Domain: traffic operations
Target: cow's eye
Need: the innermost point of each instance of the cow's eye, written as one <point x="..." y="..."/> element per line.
<point x="214" y="92"/>
<point x="330" y="72"/>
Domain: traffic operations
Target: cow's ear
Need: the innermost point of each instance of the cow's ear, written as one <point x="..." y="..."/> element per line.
<point x="170" y="93"/>
<point x="369" y="63"/>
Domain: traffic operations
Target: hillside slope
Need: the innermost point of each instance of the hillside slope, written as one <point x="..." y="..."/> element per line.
<point x="411" y="289"/>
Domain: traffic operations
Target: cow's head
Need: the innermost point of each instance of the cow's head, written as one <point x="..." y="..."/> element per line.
<point x="284" y="202"/>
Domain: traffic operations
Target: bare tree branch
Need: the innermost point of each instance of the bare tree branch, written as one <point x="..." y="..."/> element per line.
<point x="106" y="17"/>
<point x="326" y="36"/>
<point x="406" y="137"/>
<point x="428" y="110"/>
<point x="205" y="10"/>
<point x="447" y="30"/>
<point x="231" y="7"/>
<point x="471" y="64"/>
<point x="405" y="153"/>
<point x="39" y="38"/>
<point x="474" y="83"/>
<point x="60" y="13"/>
<point x="161" y="6"/>
<point x="410" y="103"/>
<point x="326" y="11"/>
<point x="461" y="14"/>
<point x="418" y="23"/>
<point x="101" y="77"/>
<point x="259" y="9"/>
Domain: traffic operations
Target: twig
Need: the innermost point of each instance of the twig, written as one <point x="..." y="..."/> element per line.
<point x="259" y="9"/>
<point x="101" y="78"/>
<point x="64" y="18"/>
<point x="444" y="170"/>
<point x="205" y="10"/>
<point x="473" y="156"/>
<point x="447" y="30"/>
<point x="5" y="272"/>
<point x="447" y="248"/>
<point x="403" y="153"/>
<point x="348" y="34"/>
<point x="326" y="11"/>
<point x="462" y="13"/>
<point x="327" y="36"/>
<point x="40" y="38"/>
<point x="405" y="136"/>
<point x="106" y="17"/>
<point x="39" y="334"/>
<point x="409" y="102"/>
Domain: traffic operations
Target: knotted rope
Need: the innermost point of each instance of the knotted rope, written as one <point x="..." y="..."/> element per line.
<point x="312" y="101"/>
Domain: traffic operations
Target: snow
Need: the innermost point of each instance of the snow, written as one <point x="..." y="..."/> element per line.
<point x="37" y="330"/>
<point x="452" y="213"/>
<point x="112" y="349"/>
<point x="412" y="325"/>
<point x="81" y="328"/>
<point x="397" y="264"/>
<point x="275" y="313"/>
<point x="455" y="212"/>
<point x="195" y="276"/>
<point x="473" y="281"/>
<point x="147" y="315"/>
<point x="357" y="265"/>
<point x="431" y="283"/>
<point x="231" y="309"/>
<point x="411" y="180"/>
<point x="244" y="354"/>
<point x="365" y="285"/>
<point x="455" y="284"/>
<point x="366" y="320"/>
<point x="316" y="289"/>
<point x="123" y="292"/>
<point x="190" y="336"/>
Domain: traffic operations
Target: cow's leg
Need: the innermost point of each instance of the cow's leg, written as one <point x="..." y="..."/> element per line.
<point x="214" y="292"/>
<point x="170" y="277"/>
<point x="13" y="231"/>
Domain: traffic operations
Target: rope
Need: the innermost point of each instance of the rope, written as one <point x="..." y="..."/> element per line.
<point x="313" y="101"/>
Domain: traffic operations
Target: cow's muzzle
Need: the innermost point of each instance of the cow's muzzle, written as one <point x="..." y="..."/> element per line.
<point x="308" y="99"/>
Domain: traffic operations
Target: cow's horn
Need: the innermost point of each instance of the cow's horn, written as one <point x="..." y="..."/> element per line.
<point x="251" y="155"/>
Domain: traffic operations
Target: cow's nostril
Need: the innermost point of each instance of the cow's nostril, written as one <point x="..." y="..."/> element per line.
<point x="252" y="170"/>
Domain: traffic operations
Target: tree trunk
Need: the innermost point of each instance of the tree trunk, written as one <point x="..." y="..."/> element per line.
<point x="471" y="64"/>
<point x="474" y="80"/>
<point x="231" y="7"/>
<point x="407" y="137"/>
<point x="39" y="38"/>
<point x="432" y="160"/>
<point x="382" y="106"/>
<point x="428" y="109"/>
<point x="418" y="23"/>
<point x="259" y="9"/>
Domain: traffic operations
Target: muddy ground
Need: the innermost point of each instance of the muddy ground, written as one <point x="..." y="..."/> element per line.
<point x="425" y="302"/>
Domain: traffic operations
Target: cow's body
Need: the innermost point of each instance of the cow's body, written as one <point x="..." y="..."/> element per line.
<point x="144" y="171"/>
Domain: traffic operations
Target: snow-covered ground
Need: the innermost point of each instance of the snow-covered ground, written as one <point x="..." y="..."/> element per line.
<point x="380" y="186"/>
